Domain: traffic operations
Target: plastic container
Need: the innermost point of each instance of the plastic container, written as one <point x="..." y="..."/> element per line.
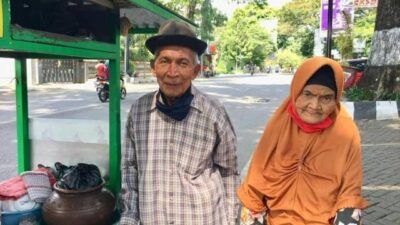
<point x="34" y="216"/>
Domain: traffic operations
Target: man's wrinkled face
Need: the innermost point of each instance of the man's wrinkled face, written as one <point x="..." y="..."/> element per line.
<point x="315" y="103"/>
<point x="175" y="67"/>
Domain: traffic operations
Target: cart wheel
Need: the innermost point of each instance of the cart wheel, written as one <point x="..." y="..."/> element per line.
<point x="123" y="93"/>
<point x="103" y="95"/>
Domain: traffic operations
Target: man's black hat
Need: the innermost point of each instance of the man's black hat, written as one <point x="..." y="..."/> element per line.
<point x="176" y="33"/>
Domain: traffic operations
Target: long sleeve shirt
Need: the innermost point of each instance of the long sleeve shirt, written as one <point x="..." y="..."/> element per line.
<point x="179" y="172"/>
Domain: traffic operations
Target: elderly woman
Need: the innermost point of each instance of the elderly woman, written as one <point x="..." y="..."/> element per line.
<point x="306" y="169"/>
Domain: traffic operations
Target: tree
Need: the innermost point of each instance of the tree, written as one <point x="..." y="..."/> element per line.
<point x="218" y="19"/>
<point x="137" y="49"/>
<point x="188" y="8"/>
<point x="363" y="27"/>
<point x="297" y="22"/>
<point x="201" y="12"/>
<point x="243" y="40"/>
<point x="344" y="41"/>
<point x="206" y="26"/>
<point x="288" y="60"/>
<point x="382" y="73"/>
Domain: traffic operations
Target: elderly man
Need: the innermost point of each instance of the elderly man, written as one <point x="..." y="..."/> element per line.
<point x="179" y="165"/>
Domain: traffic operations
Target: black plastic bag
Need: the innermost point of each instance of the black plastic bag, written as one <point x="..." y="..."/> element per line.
<point x="79" y="177"/>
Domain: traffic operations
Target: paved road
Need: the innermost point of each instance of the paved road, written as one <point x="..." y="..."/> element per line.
<point x="249" y="101"/>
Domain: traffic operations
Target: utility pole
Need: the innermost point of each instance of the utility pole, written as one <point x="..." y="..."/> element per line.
<point x="329" y="36"/>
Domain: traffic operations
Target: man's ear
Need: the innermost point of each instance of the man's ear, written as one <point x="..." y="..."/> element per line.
<point x="153" y="72"/>
<point x="196" y="71"/>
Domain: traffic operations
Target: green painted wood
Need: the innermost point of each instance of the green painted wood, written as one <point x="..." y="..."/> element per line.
<point x="115" y="121"/>
<point x="161" y="10"/>
<point x="38" y="50"/>
<point x="115" y="127"/>
<point x="50" y="45"/>
<point x="23" y="147"/>
<point x="23" y="34"/>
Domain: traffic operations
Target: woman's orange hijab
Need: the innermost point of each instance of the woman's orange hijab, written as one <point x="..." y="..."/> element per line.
<point x="308" y="175"/>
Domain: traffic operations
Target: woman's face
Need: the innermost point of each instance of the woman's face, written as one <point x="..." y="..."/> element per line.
<point x="315" y="103"/>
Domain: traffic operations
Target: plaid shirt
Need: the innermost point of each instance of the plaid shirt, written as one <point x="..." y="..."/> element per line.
<point x="179" y="172"/>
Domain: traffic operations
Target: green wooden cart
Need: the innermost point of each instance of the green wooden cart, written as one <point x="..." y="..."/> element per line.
<point x="73" y="29"/>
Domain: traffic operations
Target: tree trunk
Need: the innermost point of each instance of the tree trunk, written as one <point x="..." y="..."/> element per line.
<point x="192" y="9"/>
<point x="382" y="73"/>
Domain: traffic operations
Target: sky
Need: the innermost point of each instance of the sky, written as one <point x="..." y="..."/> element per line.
<point x="228" y="7"/>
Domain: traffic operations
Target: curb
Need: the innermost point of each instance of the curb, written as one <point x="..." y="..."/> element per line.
<point x="373" y="110"/>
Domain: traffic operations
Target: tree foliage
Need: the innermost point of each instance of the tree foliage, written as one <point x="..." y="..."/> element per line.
<point x="206" y="26"/>
<point x="243" y="40"/>
<point x="137" y="49"/>
<point x="363" y="27"/>
<point x="288" y="59"/>
<point x="364" y="23"/>
<point x="344" y="41"/>
<point x="188" y="8"/>
<point x="297" y="22"/>
<point x="201" y="12"/>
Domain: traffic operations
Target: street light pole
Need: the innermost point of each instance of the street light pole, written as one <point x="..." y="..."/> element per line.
<point x="329" y="36"/>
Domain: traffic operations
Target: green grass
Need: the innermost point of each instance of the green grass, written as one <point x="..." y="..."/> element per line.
<point x="356" y="94"/>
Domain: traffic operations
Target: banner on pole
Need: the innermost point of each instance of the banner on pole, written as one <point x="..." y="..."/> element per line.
<point x="339" y="10"/>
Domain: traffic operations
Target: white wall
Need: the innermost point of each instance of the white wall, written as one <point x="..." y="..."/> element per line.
<point x="7" y="71"/>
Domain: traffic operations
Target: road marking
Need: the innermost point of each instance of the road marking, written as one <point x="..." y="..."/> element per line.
<point x="381" y="187"/>
<point x="58" y="112"/>
<point x="380" y="144"/>
<point x="6" y="122"/>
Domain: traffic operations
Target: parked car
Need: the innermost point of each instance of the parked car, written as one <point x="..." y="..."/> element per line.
<point x="353" y="72"/>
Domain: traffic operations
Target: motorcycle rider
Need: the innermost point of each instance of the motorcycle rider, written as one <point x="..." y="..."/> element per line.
<point x="102" y="71"/>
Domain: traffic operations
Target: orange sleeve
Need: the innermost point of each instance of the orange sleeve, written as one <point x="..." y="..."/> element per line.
<point x="248" y="195"/>
<point x="350" y="189"/>
<point x="250" y="192"/>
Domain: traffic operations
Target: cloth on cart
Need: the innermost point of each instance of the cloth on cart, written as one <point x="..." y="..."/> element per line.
<point x="50" y="173"/>
<point x="16" y="187"/>
<point x="16" y="205"/>
<point x="12" y="188"/>
<point x="38" y="185"/>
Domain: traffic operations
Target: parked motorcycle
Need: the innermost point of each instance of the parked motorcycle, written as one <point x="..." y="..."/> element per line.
<point x="102" y="89"/>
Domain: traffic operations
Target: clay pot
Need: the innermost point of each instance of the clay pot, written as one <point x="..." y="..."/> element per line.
<point x="94" y="206"/>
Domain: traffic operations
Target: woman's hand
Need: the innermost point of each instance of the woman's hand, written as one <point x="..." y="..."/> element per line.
<point x="248" y="217"/>
<point x="348" y="216"/>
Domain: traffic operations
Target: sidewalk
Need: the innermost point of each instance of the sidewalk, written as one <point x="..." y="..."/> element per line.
<point x="381" y="170"/>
